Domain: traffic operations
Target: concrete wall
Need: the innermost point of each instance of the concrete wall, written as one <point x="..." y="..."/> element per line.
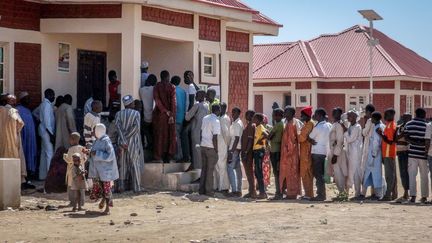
<point x="174" y="56"/>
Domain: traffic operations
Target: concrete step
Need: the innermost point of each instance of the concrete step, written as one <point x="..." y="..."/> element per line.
<point x="175" y="167"/>
<point x="153" y="176"/>
<point x="189" y="187"/>
<point x="175" y="179"/>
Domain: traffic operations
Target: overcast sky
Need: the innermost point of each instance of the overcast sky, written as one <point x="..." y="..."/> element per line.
<point x="406" y="21"/>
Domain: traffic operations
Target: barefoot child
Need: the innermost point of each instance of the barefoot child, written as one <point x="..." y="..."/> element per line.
<point x="74" y="139"/>
<point x="103" y="168"/>
<point x="79" y="183"/>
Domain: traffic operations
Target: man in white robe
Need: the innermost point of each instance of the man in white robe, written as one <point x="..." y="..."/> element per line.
<point x="221" y="180"/>
<point x="337" y="156"/>
<point x="353" y="145"/>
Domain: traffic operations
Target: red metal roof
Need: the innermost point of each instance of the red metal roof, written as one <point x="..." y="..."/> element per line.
<point x="261" y="18"/>
<point x="238" y="5"/>
<point x="341" y="55"/>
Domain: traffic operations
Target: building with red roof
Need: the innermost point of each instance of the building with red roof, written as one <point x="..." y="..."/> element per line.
<point x="70" y="45"/>
<point x="332" y="70"/>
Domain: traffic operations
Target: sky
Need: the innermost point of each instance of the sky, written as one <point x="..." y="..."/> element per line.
<point x="407" y="21"/>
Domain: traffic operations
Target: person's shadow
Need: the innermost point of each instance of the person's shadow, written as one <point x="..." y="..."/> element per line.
<point x="87" y="214"/>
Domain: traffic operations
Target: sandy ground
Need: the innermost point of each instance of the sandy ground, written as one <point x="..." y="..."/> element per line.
<point x="179" y="217"/>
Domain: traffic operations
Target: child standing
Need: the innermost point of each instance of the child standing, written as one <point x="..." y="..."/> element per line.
<point x="259" y="147"/>
<point x="373" y="170"/>
<point x="79" y="183"/>
<point x="74" y="139"/>
<point x="103" y="168"/>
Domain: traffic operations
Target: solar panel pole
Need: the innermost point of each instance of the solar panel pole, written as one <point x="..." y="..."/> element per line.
<point x="371" y="15"/>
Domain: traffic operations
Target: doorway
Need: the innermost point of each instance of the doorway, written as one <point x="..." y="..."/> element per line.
<point x="91" y="76"/>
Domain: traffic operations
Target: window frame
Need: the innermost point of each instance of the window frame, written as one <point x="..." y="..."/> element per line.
<point x="409" y="108"/>
<point x="299" y="103"/>
<point x="212" y="65"/>
<point x="427" y="101"/>
<point x="358" y="107"/>
<point x="3" y="69"/>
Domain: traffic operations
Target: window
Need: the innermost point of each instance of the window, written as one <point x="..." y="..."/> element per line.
<point x="427" y="101"/>
<point x="357" y="102"/>
<point x="2" y="69"/>
<point x="303" y="100"/>
<point x="409" y="104"/>
<point x="209" y="65"/>
<point x="287" y="100"/>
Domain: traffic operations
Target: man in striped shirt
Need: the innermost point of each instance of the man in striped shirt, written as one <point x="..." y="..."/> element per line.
<point x="415" y="131"/>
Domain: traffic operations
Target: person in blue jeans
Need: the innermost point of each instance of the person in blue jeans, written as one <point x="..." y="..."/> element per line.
<point x="234" y="168"/>
<point x="181" y="108"/>
<point x="260" y="141"/>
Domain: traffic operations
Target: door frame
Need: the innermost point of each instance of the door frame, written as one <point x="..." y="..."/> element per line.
<point x="101" y="53"/>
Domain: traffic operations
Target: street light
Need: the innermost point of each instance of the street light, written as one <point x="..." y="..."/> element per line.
<point x="371" y="16"/>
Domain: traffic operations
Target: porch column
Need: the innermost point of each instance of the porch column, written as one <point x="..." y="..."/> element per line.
<point x="131" y="50"/>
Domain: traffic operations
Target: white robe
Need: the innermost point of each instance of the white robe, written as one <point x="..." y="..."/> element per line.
<point x="367" y="133"/>
<point x="340" y="169"/>
<point x="221" y="180"/>
<point x="353" y="146"/>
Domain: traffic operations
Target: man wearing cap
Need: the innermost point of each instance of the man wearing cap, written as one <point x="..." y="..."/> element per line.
<point x="28" y="133"/>
<point x="131" y="156"/>
<point x="306" y="174"/>
<point x="144" y="73"/>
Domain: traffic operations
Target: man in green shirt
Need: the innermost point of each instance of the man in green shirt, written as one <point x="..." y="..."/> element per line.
<point x="211" y="98"/>
<point x="275" y="146"/>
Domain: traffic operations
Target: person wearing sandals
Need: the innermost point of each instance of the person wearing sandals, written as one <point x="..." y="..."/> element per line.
<point x="103" y="168"/>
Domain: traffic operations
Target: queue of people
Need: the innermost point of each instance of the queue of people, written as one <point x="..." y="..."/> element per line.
<point x="170" y="123"/>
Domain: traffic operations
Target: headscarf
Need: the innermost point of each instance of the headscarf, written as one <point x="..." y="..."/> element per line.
<point x="100" y="130"/>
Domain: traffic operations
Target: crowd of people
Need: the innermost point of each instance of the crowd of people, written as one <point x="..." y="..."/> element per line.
<point x="181" y="123"/>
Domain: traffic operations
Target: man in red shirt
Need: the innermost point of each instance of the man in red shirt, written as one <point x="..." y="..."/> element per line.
<point x="113" y="87"/>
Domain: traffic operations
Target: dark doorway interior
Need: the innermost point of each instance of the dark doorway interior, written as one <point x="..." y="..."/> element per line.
<point x="91" y="76"/>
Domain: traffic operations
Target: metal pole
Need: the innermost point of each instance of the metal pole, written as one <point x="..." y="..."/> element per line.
<point x="371" y="45"/>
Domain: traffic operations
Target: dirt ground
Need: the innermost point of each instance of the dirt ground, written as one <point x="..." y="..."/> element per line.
<point x="180" y="217"/>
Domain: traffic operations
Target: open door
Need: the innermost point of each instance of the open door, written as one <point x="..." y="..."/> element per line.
<point x="91" y="76"/>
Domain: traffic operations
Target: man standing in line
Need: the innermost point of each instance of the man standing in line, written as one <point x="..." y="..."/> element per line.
<point x="305" y="152"/>
<point x="221" y="173"/>
<point x="234" y="167"/>
<point x="289" y="174"/>
<point x="131" y="159"/>
<point x="402" y="154"/>
<point x="146" y="95"/>
<point x="113" y="88"/>
<point x="275" y="138"/>
<point x="46" y="132"/>
<point x="367" y="132"/>
<point x="195" y="115"/>
<point x="164" y="116"/>
<point x="181" y="108"/>
<point x="415" y="132"/>
<point x="10" y="140"/>
<point x="144" y="73"/>
<point x="91" y="119"/>
<point x="247" y="141"/>
<point x="65" y="123"/>
<point x="388" y="136"/>
<point x="211" y="98"/>
<point x="28" y="133"/>
<point x="337" y="156"/>
<point x="209" y="149"/>
<point x="319" y="138"/>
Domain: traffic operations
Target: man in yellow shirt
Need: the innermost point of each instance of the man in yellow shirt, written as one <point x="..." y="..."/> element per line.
<point x="259" y="146"/>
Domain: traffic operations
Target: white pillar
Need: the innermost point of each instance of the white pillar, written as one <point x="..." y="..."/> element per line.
<point x="131" y="50"/>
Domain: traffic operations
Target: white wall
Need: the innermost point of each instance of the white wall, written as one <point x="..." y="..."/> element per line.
<point x="174" y="56"/>
<point x="269" y="98"/>
<point x="66" y="82"/>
